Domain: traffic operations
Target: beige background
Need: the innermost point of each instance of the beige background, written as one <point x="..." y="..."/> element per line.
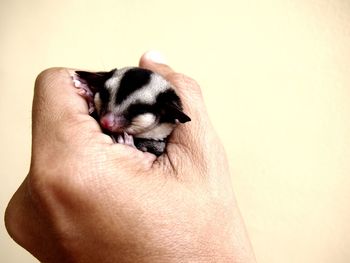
<point x="276" y="78"/>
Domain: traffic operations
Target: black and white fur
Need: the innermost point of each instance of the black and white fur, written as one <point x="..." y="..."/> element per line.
<point x="134" y="105"/>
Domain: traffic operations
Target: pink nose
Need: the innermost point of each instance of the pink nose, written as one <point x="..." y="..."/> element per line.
<point x="112" y="122"/>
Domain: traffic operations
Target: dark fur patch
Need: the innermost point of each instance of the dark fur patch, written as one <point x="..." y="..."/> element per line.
<point x="170" y="107"/>
<point x="167" y="109"/>
<point x="132" y="80"/>
<point x="104" y="97"/>
<point x="95" y="80"/>
<point x="140" y="108"/>
<point x="152" y="146"/>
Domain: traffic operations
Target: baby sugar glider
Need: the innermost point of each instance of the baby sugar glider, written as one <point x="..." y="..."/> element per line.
<point x="135" y="106"/>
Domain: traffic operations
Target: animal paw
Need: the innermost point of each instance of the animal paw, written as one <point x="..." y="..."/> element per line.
<point x="126" y="139"/>
<point x="84" y="91"/>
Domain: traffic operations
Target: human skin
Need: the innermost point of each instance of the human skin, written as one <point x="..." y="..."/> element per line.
<point x="87" y="199"/>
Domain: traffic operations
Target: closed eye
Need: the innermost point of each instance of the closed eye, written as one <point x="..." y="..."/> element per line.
<point x="138" y="109"/>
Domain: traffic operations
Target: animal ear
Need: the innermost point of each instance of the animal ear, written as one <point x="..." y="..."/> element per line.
<point x="176" y="113"/>
<point x="95" y="79"/>
<point x="170" y="105"/>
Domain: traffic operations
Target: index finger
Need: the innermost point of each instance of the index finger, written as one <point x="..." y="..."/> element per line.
<point x="58" y="107"/>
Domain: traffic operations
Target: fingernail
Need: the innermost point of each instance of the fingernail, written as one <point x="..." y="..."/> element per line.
<point x="155" y="56"/>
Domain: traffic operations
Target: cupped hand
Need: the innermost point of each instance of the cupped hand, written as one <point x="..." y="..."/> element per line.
<point x="87" y="199"/>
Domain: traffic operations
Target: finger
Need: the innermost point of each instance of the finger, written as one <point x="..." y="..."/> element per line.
<point x="58" y="110"/>
<point x="155" y="61"/>
<point x="54" y="88"/>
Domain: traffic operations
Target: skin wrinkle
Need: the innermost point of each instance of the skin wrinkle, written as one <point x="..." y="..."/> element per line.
<point x="196" y="156"/>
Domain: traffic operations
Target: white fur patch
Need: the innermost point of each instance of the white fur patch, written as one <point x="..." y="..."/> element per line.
<point x="159" y="132"/>
<point x="147" y="94"/>
<point x="142" y="122"/>
<point x="112" y="85"/>
<point x="98" y="103"/>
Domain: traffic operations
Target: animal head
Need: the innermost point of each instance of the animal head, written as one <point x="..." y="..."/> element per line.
<point x="135" y="100"/>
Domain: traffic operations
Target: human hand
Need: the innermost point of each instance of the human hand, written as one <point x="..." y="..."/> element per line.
<point x="86" y="199"/>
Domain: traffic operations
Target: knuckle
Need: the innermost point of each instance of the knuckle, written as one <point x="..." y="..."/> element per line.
<point x="46" y="76"/>
<point x="47" y="73"/>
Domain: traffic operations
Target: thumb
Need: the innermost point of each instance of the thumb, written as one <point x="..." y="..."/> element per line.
<point x="195" y="136"/>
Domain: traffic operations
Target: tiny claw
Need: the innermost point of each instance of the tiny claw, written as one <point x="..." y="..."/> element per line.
<point x="120" y="139"/>
<point x="81" y="92"/>
<point x="77" y="83"/>
<point x="91" y="107"/>
<point x="129" y="140"/>
<point x="84" y="91"/>
<point x="126" y="139"/>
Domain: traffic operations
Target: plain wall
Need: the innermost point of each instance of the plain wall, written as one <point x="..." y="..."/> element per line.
<point x="276" y="78"/>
